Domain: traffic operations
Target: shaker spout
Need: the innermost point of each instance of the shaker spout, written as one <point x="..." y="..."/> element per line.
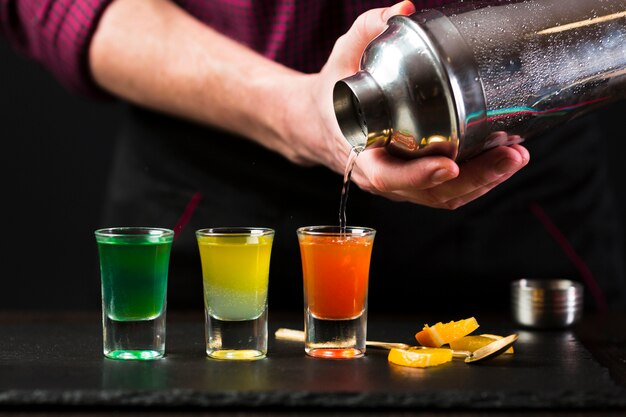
<point x="362" y="111"/>
<point x="401" y="98"/>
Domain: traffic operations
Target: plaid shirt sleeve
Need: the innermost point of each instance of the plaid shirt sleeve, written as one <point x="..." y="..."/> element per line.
<point x="55" y="33"/>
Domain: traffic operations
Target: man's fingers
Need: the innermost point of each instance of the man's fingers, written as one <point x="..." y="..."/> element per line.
<point x="481" y="175"/>
<point x="388" y="174"/>
<point x="438" y="181"/>
<point x="492" y="165"/>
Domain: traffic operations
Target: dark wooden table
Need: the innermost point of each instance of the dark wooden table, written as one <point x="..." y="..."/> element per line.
<point x="53" y="362"/>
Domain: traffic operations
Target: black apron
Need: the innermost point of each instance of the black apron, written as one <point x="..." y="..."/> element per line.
<point x="424" y="260"/>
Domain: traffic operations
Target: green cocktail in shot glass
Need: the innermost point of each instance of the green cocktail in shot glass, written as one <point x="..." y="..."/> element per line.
<point x="134" y="263"/>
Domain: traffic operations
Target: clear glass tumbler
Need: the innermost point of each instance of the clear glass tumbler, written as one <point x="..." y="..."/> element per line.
<point x="134" y="263"/>
<point x="235" y="275"/>
<point x="335" y="270"/>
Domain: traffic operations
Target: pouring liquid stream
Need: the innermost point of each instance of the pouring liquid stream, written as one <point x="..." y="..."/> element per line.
<point x="354" y="153"/>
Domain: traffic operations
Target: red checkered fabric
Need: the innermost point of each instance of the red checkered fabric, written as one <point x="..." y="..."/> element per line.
<point x="297" y="33"/>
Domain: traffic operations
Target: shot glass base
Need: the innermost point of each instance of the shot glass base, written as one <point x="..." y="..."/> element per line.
<point x="141" y="355"/>
<point x="240" y="355"/>
<point x="334" y="353"/>
<point x="134" y="340"/>
<point x="335" y="339"/>
<point x="236" y="339"/>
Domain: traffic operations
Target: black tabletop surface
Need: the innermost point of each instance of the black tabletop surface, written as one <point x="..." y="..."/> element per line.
<point x="55" y="363"/>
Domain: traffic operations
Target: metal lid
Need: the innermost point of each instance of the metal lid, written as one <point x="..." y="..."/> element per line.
<point x="546" y="303"/>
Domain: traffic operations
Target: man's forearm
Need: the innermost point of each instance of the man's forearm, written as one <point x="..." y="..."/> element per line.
<point x="154" y="54"/>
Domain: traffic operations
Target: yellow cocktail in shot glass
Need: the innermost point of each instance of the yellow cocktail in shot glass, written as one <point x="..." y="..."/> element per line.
<point x="235" y="275"/>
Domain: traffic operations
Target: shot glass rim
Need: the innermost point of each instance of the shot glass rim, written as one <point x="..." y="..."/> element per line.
<point x="140" y="232"/>
<point x="330" y="230"/>
<point x="235" y="231"/>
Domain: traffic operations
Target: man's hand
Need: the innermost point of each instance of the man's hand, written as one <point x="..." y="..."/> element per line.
<point x="432" y="181"/>
<point x="156" y="55"/>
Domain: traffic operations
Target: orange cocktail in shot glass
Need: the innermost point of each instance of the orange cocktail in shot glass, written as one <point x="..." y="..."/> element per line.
<point x="335" y="271"/>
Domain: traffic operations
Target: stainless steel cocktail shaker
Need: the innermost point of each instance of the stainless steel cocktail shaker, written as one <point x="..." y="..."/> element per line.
<point x="443" y="81"/>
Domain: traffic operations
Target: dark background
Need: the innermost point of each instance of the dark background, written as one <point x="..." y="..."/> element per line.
<point x="56" y="151"/>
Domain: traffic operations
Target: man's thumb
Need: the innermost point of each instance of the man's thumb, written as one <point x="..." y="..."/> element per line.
<point x="373" y="22"/>
<point x="404" y="8"/>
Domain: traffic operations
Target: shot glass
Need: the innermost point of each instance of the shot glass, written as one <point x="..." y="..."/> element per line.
<point x="335" y="271"/>
<point x="235" y="275"/>
<point x="134" y="263"/>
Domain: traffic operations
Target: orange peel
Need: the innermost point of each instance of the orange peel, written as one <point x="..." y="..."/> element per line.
<point x="420" y="358"/>
<point x="443" y="333"/>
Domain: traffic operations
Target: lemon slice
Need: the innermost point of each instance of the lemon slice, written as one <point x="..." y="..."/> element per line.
<point x="419" y="358"/>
